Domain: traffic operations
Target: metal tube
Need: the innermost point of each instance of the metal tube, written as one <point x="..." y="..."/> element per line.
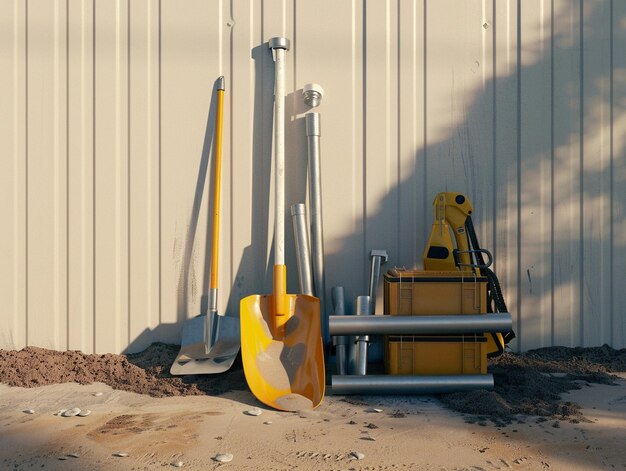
<point x="414" y="325"/>
<point x="340" y="341"/>
<point x="313" y="132"/>
<point x="378" y="257"/>
<point x="410" y="384"/>
<point x="279" y="46"/>
<point x="363" y="308"/>
<point x="303" y="250"/>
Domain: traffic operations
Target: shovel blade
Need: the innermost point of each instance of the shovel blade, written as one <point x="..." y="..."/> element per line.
<point x="193" y="358"/>
<point x="284" y="370"/>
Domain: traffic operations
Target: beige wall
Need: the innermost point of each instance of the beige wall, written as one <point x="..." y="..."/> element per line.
<point x="106" y="123"/>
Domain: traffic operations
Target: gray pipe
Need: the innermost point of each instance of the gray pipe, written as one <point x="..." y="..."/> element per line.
<point x="303" y="250"/>
<point x="414" y="325"/>
<point x="313" y="132"/>
<point x="400" y="384"/>
<point x="340" y="341"/>
<point x="378" y="257"/>
<point x="363" y="308"/>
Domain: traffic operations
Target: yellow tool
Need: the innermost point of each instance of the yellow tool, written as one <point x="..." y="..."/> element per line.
<point x="453" y="215"/>
<point x="210" y="341"/>
<point x="281" y="339"/>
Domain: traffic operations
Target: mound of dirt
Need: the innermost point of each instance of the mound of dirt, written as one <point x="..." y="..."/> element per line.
<point x="531" y="384"/>
<point x="144" y="373"/>
<point x="526" y="385"/>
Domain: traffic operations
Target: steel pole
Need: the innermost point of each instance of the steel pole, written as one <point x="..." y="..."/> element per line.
<point x="410" y="384"/>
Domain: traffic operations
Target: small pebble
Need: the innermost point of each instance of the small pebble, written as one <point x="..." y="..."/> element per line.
<point x="357" y="455"/>
<point x="84" y="413"/>
<point x="377" y="410"/>
<point x="120" y="454"/>
<point x="254" y="411"/>
<point x="268" y="422"/>
<point x="60" y="412"/>
<point x="71" y="412"/>
<point x="223" y="458"/>
<point x="73" y="455"/>
<point x="62" y="458"/>
<point x="98" y="394"/>
<point x="29" y="411"/>
<point x="177" y="464"/>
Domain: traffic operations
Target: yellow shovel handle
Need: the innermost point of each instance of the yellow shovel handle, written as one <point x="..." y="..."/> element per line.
<point x="281" y="301"/>
<point x="219" y="121"/>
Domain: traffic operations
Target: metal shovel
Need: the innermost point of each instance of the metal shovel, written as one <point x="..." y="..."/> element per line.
<point x="281" y="342"/>
<point x="210" y="342"/>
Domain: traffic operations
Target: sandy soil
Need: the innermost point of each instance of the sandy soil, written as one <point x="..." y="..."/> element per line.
<point x="551" y="409"/>
<point x="409" y="433"/>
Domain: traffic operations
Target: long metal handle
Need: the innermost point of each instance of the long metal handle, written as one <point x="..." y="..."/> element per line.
<point x="303" y="250"/>
<point x="414" y="325"/>
<point x="313" y="132"/>
<point x="279" y="157"/>
<point x="398" y="384"/>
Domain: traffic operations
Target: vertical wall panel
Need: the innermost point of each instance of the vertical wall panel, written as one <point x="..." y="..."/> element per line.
<point x="47" y="172"/>
<point x="618" y="172"/>
<point x="107" y="155"/>
<point x="596" y="173"/>
<point x="566" y="247"/>
<point x="13" y="173"/>
<point x="506" y="169"/>
<point x="111" y="175"/>
<point x="411" y="29"/>
<point x="80" y="185"/>
<point x="380" y="197"/>
<point x="144" y="171"/>
<point x="536" y="172"/>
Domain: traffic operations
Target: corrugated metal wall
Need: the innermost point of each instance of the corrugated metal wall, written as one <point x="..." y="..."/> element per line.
<point x="106" y="125"/>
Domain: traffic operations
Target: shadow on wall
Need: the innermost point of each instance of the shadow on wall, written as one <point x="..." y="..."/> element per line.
<point x="555" y="289"/>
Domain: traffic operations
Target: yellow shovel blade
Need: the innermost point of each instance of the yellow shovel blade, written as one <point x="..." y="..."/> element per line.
<point x="284" y="371"/>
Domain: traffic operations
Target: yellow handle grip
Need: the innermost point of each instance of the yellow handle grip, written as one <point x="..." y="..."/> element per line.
<point x="219" y="121"/>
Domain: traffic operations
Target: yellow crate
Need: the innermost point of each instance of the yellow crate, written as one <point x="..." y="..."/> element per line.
<point x="430" y="355"/>
<point x="415" y="293"/>
<point x="435" y="293"/>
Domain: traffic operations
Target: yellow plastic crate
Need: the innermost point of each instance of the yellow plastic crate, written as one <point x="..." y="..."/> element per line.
<point x="435" y="293"/>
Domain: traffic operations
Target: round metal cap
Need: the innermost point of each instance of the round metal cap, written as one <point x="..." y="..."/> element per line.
<point x="279" y="43"/>
<point x="315" y="87"/>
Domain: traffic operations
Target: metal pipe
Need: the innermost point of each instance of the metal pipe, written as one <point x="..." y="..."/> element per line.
<point x="410" y="384"/>
<point x="303" y="250"/>
<point x="340" y="341"/>
<point x="378" y="257"/>
<point x="313" y="133"/>
<point x="363" y="308"/>
<point x="279" y="46"/>
<point x="414" y="325"/>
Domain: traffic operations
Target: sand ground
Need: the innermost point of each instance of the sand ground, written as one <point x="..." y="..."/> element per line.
<point x="409" y="433"/>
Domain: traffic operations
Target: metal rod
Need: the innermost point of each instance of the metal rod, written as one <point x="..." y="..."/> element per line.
<point x="303" y="250"/>
<point x="378" y="257"/>
<point x="340" y="341"/>
<point x="313" y="133"/>
<point x="410" y="384"/>
<point x="279" y="46"/>
<point x="363" y="308"/>
<point x="413" y="325"/>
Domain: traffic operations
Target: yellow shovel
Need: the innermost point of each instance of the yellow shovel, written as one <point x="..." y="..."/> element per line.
<point x="281" y="339"/>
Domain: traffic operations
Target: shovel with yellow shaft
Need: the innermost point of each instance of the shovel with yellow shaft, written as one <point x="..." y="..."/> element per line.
<point x="281" y="339"/>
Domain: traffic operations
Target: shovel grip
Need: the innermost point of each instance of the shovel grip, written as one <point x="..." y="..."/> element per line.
<point x="281" y="301"/>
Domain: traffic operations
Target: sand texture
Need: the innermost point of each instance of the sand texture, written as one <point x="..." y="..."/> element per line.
<point x="551" y="409"/>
